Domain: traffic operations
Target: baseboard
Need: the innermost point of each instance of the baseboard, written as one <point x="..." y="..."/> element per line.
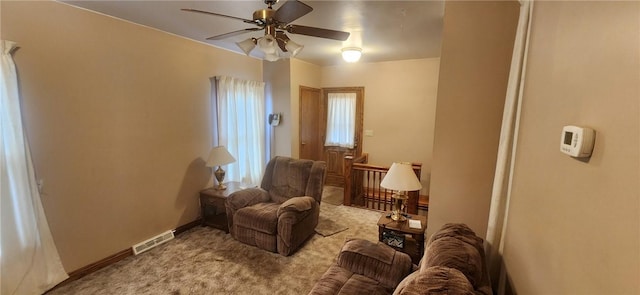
<point x="188" y="226"/>
<point x="83" y="271"/>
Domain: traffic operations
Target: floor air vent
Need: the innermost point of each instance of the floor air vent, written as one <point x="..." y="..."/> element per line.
<point x="150" y="243"/>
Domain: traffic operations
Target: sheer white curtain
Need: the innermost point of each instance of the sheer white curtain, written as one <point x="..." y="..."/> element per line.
<point x="341" y="119"/>
<point x="241" y="127"/>
<point x="29" y="259"/>
<point x="499" y="209"/>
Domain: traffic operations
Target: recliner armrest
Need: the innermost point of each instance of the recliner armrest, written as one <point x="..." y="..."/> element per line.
<point x="376" y="261"/>
<point x="297" y="204"/>
<point x="246" y="197"/>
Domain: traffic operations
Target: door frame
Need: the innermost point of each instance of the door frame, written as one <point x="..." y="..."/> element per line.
<point x="336" y="178"/>
<point x="359" y="91"/>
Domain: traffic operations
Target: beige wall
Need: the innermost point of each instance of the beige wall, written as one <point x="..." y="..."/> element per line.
<point x="277" y="76"/>
<point x="118" y="119"/>
<point x="477" y="43"/>
<point x="302" y="74"/>
<point x="284" y="79"/>
<point x="574" y="226"/>
<point x="398" y="90"/>
<point x="399" y="108"/>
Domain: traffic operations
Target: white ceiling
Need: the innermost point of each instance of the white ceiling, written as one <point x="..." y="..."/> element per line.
<point x="385" y="30"/>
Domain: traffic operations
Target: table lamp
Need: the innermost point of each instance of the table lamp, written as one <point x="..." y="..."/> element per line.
<point x="402" y="179"/>
<point x="217" y="157"/>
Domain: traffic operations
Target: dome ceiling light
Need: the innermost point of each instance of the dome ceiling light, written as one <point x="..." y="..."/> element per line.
<point x="351" y="54"/>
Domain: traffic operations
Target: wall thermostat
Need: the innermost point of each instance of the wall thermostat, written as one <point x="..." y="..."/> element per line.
<point x="577" y="141"/>
<point x="274" y="119"/>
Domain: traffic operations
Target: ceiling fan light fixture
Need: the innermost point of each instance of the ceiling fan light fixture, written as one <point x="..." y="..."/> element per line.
<point x="293" y="47"/>
<point x="275" y="22"/>
<point x="247" y="45"/>
<point x="271" y="57"/>
<point x="351" y="54"/>
<point x="267" y="44"/>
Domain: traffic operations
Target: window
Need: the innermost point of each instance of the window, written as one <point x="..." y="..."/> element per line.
<point x="341" y="120"/>
<point x="241" y="127"/>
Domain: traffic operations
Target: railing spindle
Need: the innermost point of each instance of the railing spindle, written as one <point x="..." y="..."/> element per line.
<point x="366" y="190"/>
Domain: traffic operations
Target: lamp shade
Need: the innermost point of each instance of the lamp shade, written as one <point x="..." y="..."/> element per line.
<point x="293" y="47"/>
<point x="219" y="156"/>
<point x="271" y="56"/>
<point x="401" y="177"/>
<point x="267" y="44"/>
<point x="247" y="45"/>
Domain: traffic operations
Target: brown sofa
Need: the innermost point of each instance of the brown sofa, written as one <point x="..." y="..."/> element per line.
<point x="283" y="212"/>
<point x="453" y="263"/>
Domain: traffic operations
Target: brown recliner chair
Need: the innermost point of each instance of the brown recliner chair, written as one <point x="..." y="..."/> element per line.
<point x="283" y="212"/>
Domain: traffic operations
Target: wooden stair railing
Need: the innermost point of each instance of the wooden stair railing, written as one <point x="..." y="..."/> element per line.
<point x="349" y="179"/>
<point x="362" y="186"/>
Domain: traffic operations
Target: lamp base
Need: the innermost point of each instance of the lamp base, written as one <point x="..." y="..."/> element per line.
<point x="219" y="173"/>
<point x="397" y="214"/>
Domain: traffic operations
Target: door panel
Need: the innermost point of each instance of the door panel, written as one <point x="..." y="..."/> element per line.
<point x="310" y="120"/>
<point x="334" y="155"/>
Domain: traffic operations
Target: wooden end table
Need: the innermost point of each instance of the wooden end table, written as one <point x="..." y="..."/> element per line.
<point x="212" y="205"/>
<point x="413" y="238"/>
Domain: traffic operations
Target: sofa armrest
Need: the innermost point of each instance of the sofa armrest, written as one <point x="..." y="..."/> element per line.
<point x="376" y="261"/>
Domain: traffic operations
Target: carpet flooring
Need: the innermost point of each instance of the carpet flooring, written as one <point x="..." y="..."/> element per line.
<point x="333" y="195"/>
<point x="327" y="227"/>
<point x="204" y="260"/>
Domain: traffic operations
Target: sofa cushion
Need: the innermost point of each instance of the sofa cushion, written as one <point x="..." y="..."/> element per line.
<point x="453" y="230"/>
<point x="260" y="217"/>
<point x="459" y="231"/>
<point x="337" y="280"/>
<point x="455" y="253"/>
<point x="412" y="276"/>
<point x="435" y="280"/>
<point x="375" y="260"/>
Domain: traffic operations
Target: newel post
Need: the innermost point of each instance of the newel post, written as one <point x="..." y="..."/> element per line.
<point x="348" y="164"/>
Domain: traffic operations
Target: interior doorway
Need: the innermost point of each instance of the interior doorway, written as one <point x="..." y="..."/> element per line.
<point x="314" y="106"/>
<point x="310" y="120"/>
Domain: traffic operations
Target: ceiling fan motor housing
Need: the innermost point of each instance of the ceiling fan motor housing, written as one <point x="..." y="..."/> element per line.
<point x="264" y="15"/>
<point x="265" y="18"/>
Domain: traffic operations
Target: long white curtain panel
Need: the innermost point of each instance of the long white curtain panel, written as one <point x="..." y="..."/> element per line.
<point x="341" y="120"/>
<point x="501" y="193"/>
<point x="29" y="258"/>
<point x="241" y="127"/>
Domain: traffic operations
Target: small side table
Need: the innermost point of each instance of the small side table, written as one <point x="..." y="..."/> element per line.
<point x="212" y="205"/>
<point x="412" y="238"/>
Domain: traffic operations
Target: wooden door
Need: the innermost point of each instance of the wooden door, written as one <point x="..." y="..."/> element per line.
<point x="334" y="155"/>
<point x="310" y="120"/>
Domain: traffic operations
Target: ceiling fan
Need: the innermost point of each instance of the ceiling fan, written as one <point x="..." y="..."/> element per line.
<point x="275" y="23"/>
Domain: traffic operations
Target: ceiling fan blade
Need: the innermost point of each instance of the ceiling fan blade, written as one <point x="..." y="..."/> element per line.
<point x="217" y="14"/>
<point x="282" y="39"/>
<point x="291" y="10"/>
<point x="234" y="33"/>
<point x="318" y="32"/>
